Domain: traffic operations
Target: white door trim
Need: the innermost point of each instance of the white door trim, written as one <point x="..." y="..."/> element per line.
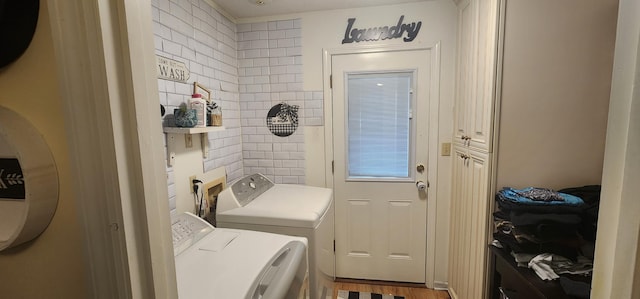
<point x="104" y="52"/>
<point x="434" y="103"/>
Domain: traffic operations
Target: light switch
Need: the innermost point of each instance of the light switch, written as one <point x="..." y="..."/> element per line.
<point x="446" y="149"/>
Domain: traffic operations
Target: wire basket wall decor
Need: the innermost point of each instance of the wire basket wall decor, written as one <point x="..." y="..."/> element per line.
<point x="282" y="119"/>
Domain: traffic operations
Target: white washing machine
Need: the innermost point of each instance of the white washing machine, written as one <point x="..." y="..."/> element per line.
<point x="237" y="264"/>
<point x="256" y="203"/>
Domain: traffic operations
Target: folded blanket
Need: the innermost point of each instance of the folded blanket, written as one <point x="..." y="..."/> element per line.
<point x="533" y="196"/>
<point x="540" y="194"/>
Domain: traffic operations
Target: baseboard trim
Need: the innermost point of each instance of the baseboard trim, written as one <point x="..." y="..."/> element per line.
<point x="441" y="285"/>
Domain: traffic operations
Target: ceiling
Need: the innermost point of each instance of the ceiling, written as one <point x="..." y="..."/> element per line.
<point x="241" y="9"/>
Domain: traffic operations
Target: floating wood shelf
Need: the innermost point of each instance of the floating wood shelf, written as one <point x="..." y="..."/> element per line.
<point x="179" y="130"/>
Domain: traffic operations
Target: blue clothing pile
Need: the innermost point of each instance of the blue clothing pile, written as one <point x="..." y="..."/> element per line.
<point x="538" y="200"/>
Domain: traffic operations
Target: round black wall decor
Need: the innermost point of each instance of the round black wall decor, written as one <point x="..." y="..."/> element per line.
<point x="282" y="119"/>
<point x="18" y="20"/>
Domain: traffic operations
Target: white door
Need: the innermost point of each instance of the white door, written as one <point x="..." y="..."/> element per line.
<point x="380" y="126"/>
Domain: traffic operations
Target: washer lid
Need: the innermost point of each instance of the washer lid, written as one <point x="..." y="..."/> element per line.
<point x="231" y="271"/>
<point x="283" y="205"/>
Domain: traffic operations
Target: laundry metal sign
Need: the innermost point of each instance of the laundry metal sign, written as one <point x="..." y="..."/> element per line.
<point x="171" y="69"/>
<point x="11" y="180"/>
<point x="408" y="32"/>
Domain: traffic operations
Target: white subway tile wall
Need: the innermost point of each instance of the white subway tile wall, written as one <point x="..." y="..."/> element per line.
<point x="270" y="72"/>
<point x="250" y="68"/>
<point x="192" y="32"/>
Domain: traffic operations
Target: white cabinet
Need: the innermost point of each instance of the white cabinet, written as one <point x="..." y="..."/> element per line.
<point x="476" y="73"/>
<point x="532" y="67"/>
<point x="474" y="118"/>
<point x="469" y="229"/>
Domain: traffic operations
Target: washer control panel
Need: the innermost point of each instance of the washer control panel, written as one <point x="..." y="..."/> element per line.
<point x="187" y="229"/>
<point x="248" y="188"/>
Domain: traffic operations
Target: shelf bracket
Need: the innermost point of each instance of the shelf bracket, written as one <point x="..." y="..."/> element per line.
<point x="172" y="133"/>
<point x="188" y="141"/>
<point x="171" y="154"/>
<point x="204" y="141"/>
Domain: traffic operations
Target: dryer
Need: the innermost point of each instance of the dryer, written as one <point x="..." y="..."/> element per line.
<point x="256" y="203"/>
<point x="229" y="263"/>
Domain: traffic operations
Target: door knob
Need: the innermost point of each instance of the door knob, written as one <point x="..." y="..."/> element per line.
<point x="422" y="185"/>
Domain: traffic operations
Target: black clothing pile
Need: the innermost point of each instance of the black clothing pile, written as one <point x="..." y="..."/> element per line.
<point x="535" y="221"/>
<point x="591" y="197"/>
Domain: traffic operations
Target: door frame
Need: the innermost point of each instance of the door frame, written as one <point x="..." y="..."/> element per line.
<point x="106" y="72"/>
<point x="433" y="132"/>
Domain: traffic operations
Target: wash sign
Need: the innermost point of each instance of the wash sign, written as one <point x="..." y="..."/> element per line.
<point x="171" y="69"/>
<point x="407" y="31"/>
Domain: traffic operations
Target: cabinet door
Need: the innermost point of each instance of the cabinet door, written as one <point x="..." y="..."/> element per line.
<point x="476" y="69"/>
<point x="464" y="67"/>
<point x="479" y="125"/>
<point x="469" y="231"/>
<point x="478" y="199"/>
<point x="458" y="234"/>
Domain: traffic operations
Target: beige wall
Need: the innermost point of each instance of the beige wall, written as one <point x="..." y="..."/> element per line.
<point x="51" y="266"/>
<point x="556" y="81"/>
<point x="616" y="259"/>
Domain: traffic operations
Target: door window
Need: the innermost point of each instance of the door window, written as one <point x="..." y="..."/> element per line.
<point x="379" y="126"/>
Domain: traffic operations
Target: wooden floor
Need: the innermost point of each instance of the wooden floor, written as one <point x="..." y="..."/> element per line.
<point x="409" y="291"/>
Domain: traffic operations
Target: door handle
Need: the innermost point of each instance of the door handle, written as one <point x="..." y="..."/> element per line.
<point x="422" y="185"/>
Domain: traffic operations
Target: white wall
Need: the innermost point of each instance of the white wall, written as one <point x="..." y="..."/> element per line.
<point x="191" y="31"/>
<point x="270" y="69"/>
<point x="614" y="273"/>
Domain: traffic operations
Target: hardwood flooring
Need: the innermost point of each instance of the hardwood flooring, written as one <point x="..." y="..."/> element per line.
<point x="409" y="291"/>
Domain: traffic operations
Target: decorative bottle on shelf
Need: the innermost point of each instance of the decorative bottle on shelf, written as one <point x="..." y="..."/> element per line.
<point x="200" y="105"/>
<point x="216" y="116"/>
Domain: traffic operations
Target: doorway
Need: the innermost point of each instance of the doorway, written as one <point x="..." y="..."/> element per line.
<point x="381" y="108"/>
